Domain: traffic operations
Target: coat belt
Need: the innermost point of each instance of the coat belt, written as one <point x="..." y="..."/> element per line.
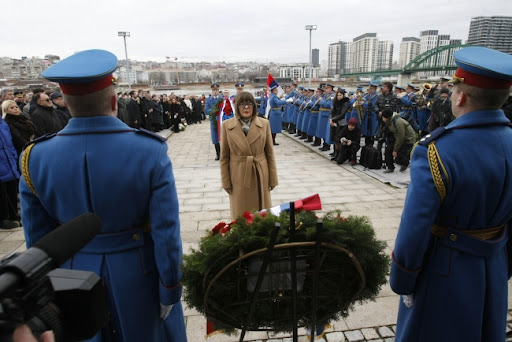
<point x="325" y="109"/>
<point x="480" y="234"/>
<point x="118" y="241"/>
<point x="250" y="163"/>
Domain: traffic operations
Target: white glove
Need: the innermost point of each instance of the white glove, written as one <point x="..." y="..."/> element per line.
<point x="165" y="310"/>
<point x="290" y="100"/>
<point x="408" y="300"/>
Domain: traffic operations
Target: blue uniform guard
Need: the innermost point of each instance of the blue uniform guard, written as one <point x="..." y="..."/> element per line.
<point x="450" y="256"/>
<point x="90" y="166"/>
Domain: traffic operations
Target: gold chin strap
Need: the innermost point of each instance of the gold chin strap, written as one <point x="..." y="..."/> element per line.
<point x="24" y="168"/>
<point x="434" y="160"/>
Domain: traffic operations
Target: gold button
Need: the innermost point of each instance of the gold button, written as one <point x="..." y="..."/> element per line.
<point x="136" y="236"/>
<point x="453" y="237"/>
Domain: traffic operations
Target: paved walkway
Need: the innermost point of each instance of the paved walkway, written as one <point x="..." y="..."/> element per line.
<point x="302" y="171"/>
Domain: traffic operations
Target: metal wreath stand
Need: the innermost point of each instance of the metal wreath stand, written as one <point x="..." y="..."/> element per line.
<point x="278" y="272"/>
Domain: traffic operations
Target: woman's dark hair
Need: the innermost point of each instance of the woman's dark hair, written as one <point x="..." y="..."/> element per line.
<point x="242" y="98"/>
<point x="389" y="85"/>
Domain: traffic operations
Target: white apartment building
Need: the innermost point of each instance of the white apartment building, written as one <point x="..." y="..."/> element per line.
<point x="385" y="55"/>
<point x="409" y="50"/>
<point x="365" y="53"/>
<point x="492" y="32"/>
<point x="298" y="71"/>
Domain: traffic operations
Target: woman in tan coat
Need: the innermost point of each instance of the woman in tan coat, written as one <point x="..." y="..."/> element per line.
<point x="247" y="164"/>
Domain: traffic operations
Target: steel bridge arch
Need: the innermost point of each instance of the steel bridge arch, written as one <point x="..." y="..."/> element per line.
<point x="424" y="61"/>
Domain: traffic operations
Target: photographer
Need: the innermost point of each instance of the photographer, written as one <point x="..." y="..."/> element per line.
<point x="350" y="139"/>
<point x="405" y="137"/>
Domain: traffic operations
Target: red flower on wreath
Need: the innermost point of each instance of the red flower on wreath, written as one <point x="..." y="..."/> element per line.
<point x="222" y="228"/>
<point x="218" y="229"/>
<point x="249" y="217"/>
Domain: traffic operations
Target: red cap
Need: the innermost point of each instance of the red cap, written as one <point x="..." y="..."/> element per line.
<point x="480" y="81"/>
<point x="352" y="121"/>
<point x="86" y="88"/>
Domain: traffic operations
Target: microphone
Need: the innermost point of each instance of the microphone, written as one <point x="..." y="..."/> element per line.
<point x="49" y="252"/>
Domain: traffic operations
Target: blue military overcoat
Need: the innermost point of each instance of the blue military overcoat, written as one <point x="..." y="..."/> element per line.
<point x="276" y="114"/>
<point x="323" y="128"/>
<point x="459" y="282"/>
<point x="300" y="112"/>
<point x="208" y="108"/>
<point x="100" y="165"/>
<point x="307" y="113"/>
<point x="370" y="121"/>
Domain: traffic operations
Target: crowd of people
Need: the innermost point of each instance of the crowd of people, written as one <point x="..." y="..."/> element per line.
<point x="141" y="109"/>
<point x="29" y="115"/>
<point x="393" y="116"/>
<point x="25" y="117"/>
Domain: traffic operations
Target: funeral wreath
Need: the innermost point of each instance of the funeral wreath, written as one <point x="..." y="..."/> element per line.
<point x="220" y="276"/>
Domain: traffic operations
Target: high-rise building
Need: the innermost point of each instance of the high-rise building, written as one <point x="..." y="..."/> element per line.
<point x="409" y="49"/>
<point x="337" y="58"/>
<point x="365" y="52"/>
<point x="385" y="55"/>
<point x="315" y="57"/>
<point x="431" y="39"/>
<point x="491" y="32"/>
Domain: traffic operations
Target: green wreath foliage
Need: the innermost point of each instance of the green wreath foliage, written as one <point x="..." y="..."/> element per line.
<point x="353" y="233"/>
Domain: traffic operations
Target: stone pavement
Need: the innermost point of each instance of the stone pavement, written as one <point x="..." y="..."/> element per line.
<point x="302" y="171"/>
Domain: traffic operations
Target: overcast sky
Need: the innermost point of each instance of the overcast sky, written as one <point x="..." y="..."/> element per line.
<point x="243" y="30"/>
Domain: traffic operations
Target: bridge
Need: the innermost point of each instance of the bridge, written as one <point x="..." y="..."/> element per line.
<point x="436" y="59"/>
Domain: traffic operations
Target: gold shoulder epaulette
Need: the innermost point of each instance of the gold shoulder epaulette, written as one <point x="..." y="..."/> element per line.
<point x="436" y="165"/>
<point x="24" y="168"/>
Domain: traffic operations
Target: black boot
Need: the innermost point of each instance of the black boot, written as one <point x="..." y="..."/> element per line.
<point x="334" y="156"/>
<point x="325" y="147"/>
<point x="217" y="150"/>
<point x="274" y="139"/>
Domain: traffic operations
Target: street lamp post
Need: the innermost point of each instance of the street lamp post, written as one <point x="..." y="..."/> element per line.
<point x="310" y="28"/>
<point x="124" y="35"/>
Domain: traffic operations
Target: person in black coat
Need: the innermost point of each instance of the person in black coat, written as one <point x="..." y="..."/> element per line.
<point x="175" y="114"/>
<point x="350" y="140"/>
<point x="44" y="116"/>
<point x="340" y="107"/>
<point x="134" y="119"/>
<point x="166" y="110"/>
<point x="22" y="128"/>
<point x="61" y="109"/>
<point x="441" y="111"/>
<point x="197" y="109"/>
<point x="156" y="114"/>
<point x="145" y="109"/>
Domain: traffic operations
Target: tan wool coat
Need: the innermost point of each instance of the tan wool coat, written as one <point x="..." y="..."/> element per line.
<point x="247" y="165"/>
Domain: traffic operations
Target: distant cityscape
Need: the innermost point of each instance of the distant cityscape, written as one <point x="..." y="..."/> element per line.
<point x="365" y="53"/>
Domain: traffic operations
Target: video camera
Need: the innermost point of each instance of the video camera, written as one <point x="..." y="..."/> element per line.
<point x="71" y="303"/>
